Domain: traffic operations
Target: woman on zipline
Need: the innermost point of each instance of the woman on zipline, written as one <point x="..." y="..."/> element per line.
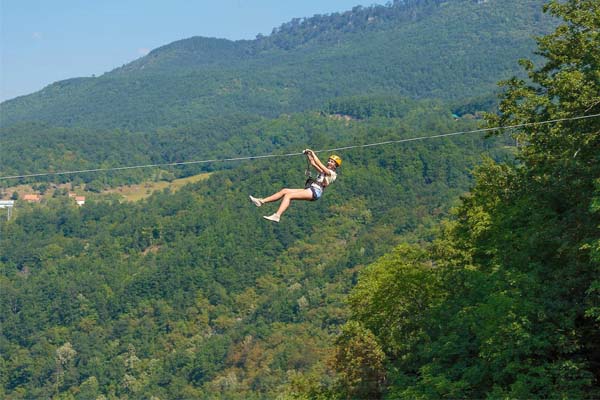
<point x="313" y="189"/>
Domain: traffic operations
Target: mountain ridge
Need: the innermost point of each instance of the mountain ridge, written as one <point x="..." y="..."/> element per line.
<point x="204" y="91"/>
<point x="397" y="57"/>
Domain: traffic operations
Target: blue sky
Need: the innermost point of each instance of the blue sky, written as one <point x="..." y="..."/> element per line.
<point x="44" y="41"/>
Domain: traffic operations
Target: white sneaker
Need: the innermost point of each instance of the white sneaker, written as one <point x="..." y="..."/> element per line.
<point x="257" y="202"/>
<point x="274" y="217"/>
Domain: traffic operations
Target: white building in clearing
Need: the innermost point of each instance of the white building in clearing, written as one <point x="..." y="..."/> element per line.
<point x="8" y="204"/>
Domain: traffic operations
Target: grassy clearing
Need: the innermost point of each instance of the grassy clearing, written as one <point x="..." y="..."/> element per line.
<point x="139" y="192"/>
<point x="129" y="193"/>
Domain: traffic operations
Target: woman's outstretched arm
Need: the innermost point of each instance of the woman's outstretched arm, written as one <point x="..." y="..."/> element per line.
<point x="316" y="163"/>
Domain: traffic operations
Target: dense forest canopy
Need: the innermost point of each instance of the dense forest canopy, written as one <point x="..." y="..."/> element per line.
<point x="190" y="294"/>
<point x="504" y="303"/>
<point x="462" y="267"/>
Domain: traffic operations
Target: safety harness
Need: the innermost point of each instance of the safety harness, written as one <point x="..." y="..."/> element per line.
<point x="309" y="179"/>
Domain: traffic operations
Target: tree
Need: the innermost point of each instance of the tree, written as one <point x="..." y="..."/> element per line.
<point x="529" y="226"/>
<point x="559" y="173"/>
<point x="64" y="357"/>
<point x="359" y="361"/>
<point x="518" y="265"/>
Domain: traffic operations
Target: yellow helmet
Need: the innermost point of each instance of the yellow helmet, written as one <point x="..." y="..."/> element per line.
<point x="337" y="159"/>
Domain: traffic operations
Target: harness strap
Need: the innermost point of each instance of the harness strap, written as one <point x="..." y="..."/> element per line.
<point x="309" y="179"/>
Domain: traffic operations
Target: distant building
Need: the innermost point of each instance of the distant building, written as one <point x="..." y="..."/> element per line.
<point x="8" y="204"/>
<point x="80" y="200"/>
<point x="32" y="198"/>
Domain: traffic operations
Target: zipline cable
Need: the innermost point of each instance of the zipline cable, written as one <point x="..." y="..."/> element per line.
<point x="82" y="171"/>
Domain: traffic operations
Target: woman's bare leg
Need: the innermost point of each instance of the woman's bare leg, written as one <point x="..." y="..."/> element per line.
<point x="293" y="194"/>
<point x="280" y="194"/>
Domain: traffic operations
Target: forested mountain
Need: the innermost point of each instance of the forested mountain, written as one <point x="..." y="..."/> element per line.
<point x="398" y="283"/>
<point x="200" y="92"/>
<point x="192" y="294"/>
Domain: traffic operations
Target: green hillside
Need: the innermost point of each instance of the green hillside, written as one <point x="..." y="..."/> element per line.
<point x="204" y="92"/>
<point x="455" y="50"/>
<point x="192" y="294"/>
<point x="454" y="267"/>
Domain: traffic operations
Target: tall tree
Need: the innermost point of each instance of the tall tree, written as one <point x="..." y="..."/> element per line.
<point x="519" y="266"/>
